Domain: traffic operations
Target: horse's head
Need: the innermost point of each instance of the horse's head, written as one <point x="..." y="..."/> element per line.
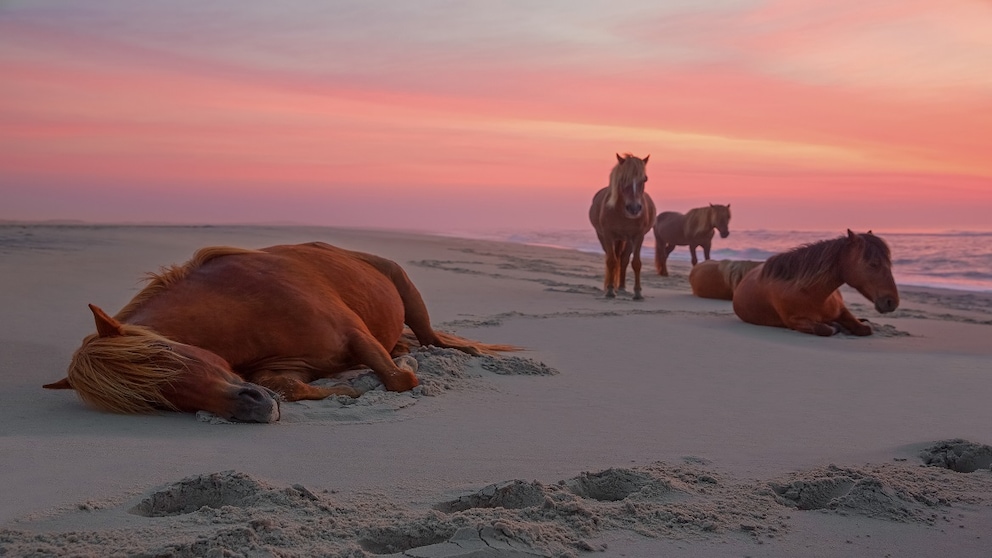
<point x="721" y="219"/>
<point x="131" y="369"/>
<point x="867" y="266"/>
<point x="627" y="184"/>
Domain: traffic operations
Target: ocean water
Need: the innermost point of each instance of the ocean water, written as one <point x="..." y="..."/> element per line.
<point x="948" y="260"/>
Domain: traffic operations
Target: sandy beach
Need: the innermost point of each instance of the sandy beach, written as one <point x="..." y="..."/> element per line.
<point x="663" y="427"/>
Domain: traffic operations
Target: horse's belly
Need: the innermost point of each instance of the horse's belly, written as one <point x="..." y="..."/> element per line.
<point x="754" y="301"/>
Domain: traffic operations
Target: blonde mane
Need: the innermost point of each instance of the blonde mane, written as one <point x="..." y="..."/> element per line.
<point x="698" y="222"/>
<point x="735" y="270"/>
<point x="170" y="275"/>
<point x="125" y="373"/>
<point x="624" y="172"/>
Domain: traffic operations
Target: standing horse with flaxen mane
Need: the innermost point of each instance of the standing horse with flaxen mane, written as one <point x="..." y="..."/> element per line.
<point x="622" y="213"/>
<point x="693" y="229"/>
<point x="232" y="331"/>
<point x="798" y="289"/>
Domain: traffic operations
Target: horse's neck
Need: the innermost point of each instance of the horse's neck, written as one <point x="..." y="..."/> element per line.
<point x="827" y="282"/>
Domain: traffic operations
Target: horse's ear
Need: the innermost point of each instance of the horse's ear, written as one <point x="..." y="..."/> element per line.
<point x="646" y="157"/>
<point x="869" y="232"/>
<point x="105" y="325"/>
<point x="61" y="384"/>
<point x="619" y="158"/>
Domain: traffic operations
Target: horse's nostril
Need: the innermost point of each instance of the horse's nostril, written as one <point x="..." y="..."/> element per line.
<point x="252" y="393"/>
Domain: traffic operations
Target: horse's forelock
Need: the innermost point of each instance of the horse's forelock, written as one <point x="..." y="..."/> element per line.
<point x="126" y="373"/>
<point x="875" y="249"/>
<point x="630" y="169"/>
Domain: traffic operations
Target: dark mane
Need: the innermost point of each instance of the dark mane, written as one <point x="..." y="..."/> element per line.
<point x="806" y="264"/>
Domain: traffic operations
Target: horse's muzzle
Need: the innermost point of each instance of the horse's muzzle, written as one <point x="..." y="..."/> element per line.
<point x="634" y="209"/>
<point x="724" y="234"/>
<point x="256" y="403"/>
<point x="886" y="304"/>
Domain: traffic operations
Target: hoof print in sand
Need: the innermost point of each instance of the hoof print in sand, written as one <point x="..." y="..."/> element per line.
<point x="215" y="490"/>
<point x="814" y="494"/>
<point x="887" y="493"/>
<point x="512" y="495"/>
<point x="958" y="455"/>
<point x="487" y="542"/>
<point x="397" y="540"/>
<point x="611" y="485"/>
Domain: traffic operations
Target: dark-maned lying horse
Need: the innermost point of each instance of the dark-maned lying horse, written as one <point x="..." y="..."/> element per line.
<point x="718" y="279"/>
<point x="798" y="289"/>
<point x="693" y="229"/>
<point x="232" y="330"/>
<point x="622" y="213"/>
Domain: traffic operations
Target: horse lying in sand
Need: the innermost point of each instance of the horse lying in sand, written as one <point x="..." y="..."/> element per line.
<point x="798" y="289"/>
<point x="693" y="229"/>
<point x="232" y="331"/>
<point x="622" y="213"/>
<point x="718" y="279"/>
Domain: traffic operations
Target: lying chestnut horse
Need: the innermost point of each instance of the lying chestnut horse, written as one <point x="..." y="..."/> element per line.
<point x="622" y="213"/>
<point x="233" y="330"/>
<point x="718" y="279"/>
<point x="798" y="289"/>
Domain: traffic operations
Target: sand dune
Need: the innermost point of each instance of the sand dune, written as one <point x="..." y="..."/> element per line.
<point x="662" y="427"/>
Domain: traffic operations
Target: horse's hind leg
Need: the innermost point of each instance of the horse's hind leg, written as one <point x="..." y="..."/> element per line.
<point x="396" y="375"/>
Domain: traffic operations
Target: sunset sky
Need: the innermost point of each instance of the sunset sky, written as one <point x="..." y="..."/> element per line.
<point x="475" y="115"/>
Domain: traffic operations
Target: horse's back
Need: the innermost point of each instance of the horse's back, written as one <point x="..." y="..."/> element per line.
<point x="278" y="296"/>
<point x="708" y="281"/>
<point x="668" y="225"/>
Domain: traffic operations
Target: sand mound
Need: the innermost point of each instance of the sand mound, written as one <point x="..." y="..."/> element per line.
<point x="958" y="455"/>
<point x="887" y="492"/>
<point x="515" y="494"/>
<point x="233" y="514"/>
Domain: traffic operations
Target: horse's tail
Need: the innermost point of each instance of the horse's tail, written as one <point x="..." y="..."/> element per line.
<point x="473" y="347"/>
<point x="660" y="255"/>
<point x="451" y="341"/>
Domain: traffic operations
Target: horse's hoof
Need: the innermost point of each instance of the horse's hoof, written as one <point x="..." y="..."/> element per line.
<point x="610" y="294"/>
<point x="638" y="296"/>
<point x="407" y="362"/>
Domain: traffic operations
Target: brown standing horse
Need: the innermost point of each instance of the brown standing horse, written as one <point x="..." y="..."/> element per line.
<point x="233" y="330"/>
<point x="798" y="289"/>
<point x="718" y="279"/>
<point x="693" y="229"/>
<point x="622" y="213"/>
